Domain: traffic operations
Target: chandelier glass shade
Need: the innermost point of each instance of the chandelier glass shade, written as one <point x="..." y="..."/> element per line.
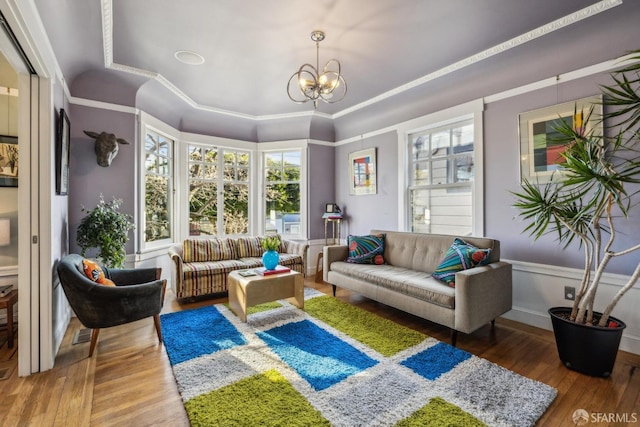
<point x="309" y="83"/>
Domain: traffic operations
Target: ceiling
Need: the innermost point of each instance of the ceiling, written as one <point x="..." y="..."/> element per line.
<point x="252" y="47"/>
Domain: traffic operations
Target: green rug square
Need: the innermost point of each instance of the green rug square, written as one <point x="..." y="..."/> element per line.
<point x="382" y="335"/>
<point x="260" y="307"/>
<point x="440" y="413"/>
<point x="266" y="399"/>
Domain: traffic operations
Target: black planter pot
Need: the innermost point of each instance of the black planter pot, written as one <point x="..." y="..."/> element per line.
<point x="589" y="350"/>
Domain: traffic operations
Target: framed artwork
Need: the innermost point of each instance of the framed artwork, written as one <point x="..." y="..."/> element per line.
<point x="332" y="208"/>
<point x="8" y="161"/>
<point x="540" y="152"/>
<point x="62" y="154"/>
<point x="362" y="166"/>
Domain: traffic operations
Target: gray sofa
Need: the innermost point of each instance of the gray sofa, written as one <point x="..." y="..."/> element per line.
<point x="480" y="294"/>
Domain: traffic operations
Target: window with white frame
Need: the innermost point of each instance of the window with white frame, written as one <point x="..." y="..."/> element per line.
<point x="441" y="177"/>
<point x="158" y="187"/>
<point x="282" y="189"/>
<point x="219" y="190"/>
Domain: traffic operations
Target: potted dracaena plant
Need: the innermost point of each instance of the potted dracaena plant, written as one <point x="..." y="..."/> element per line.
<point x="598" y="191"/>
<point x="107" y="229"/>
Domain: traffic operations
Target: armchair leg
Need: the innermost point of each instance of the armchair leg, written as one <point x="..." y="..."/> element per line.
<point x="156" y="321"/>
<point x="94" y="341"/>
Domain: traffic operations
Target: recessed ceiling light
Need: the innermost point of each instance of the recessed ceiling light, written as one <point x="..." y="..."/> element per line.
<point x="188" y="57"/>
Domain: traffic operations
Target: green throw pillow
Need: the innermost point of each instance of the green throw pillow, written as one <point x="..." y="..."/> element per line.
<point x="366" y="249"/>
<point x="460" y="256"/>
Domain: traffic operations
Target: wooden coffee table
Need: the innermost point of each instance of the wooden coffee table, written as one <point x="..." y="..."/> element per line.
<point x="253" y="290"/>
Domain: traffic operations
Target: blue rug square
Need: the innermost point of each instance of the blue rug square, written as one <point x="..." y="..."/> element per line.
<point x="436" y="360"/>
<point x="201" y="331"/>
<point x="319" y="357"/>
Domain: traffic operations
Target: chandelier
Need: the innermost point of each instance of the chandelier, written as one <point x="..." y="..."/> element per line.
<point x="309" y="84"/>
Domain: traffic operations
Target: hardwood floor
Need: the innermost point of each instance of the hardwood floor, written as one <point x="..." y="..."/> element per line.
<point x="129" y="380"/>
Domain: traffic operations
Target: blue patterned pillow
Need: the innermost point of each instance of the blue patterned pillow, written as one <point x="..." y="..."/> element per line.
<point x="460" y="256"/>
<point x="366" y="249"/>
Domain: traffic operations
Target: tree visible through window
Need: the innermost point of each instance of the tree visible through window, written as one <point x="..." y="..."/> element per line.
<point x="282" y="192"/>
<point x="158" y="185"/>
<point x="209" y="189"/>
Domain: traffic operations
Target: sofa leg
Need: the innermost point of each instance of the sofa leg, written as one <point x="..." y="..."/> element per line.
<point x="493" y="324"/>
<point x="334" y="290"/>
<point x="454" y="337"/>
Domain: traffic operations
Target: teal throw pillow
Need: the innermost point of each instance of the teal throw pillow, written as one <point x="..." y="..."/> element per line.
<point x="460" y="256"/>
<point x="366" y="249"/>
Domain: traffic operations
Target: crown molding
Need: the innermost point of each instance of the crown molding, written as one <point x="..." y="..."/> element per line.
<point x="488" y="53"/>
<point x="107" y="35"/>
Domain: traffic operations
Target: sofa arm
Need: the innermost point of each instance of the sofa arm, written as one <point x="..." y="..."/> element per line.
<point x="297" y="248"/>
<point x="179" y="276"/>
<point x="481" y="295"/>
<point x="331" y="254"/>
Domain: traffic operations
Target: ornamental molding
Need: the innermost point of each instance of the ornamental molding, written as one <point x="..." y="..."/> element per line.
<point x="587" y="12"/>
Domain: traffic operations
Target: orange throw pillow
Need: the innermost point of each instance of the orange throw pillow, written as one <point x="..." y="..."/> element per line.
<point x="95" y="273"/>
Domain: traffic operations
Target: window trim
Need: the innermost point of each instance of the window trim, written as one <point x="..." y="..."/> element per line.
<point x="277" y="147"/>
<point x="150" y="123"/>
<point x="220" y="183"/>
<point x="470" y="110"/>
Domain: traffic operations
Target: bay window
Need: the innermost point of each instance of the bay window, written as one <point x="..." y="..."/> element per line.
<point x="282" y="190"/>
<point x="158" y="187"/>
<point x="219" y="190"/>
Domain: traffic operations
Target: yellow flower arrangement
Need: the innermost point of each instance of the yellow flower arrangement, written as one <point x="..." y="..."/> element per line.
<point x="271" y="242"/>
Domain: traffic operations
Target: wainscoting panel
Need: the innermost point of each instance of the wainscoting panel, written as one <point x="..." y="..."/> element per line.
<point x="536" y="287"/>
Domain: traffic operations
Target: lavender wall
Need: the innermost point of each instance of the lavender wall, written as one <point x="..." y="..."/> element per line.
<point x="502" y="177"/>
<point x="379" y="210"/>
<point x="88" y="180"/>
<point x="322" y="180"/>
<point x="501" y="174"/>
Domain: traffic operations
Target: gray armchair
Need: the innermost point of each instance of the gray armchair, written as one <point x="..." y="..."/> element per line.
<point x="139" y="293"/>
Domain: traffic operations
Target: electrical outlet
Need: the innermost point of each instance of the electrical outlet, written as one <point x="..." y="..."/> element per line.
<point x="569" y="293"/>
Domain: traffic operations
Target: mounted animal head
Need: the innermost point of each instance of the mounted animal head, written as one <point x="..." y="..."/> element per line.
<point x="106" y="146"/>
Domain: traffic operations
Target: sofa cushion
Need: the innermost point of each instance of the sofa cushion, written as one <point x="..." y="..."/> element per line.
<point x="460" y="256"/>
<point x="249" y="246"/>
<point x="366" y="249"/>
<point x="205" y="268"/>
<point x="212" y="249"/>
<point x="416" y="284"/>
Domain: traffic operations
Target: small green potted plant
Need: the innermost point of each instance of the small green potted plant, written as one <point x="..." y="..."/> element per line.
<point x="598" y="192"/>
<point x="107" y="229"/>
<point x="270" y="244"/>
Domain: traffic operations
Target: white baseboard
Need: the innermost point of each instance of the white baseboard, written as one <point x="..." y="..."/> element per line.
<point x="629" y="343"/>
<point x="537" y="287"/>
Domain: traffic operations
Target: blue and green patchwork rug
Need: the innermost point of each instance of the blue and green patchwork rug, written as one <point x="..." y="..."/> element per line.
<point x="335" y="364"/>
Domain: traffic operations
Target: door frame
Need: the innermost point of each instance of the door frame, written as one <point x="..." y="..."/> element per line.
<point x="36" y="135"/>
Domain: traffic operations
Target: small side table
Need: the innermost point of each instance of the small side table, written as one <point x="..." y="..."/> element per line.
<point x="8" y="301"/>
<point x="335" y="236"/>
